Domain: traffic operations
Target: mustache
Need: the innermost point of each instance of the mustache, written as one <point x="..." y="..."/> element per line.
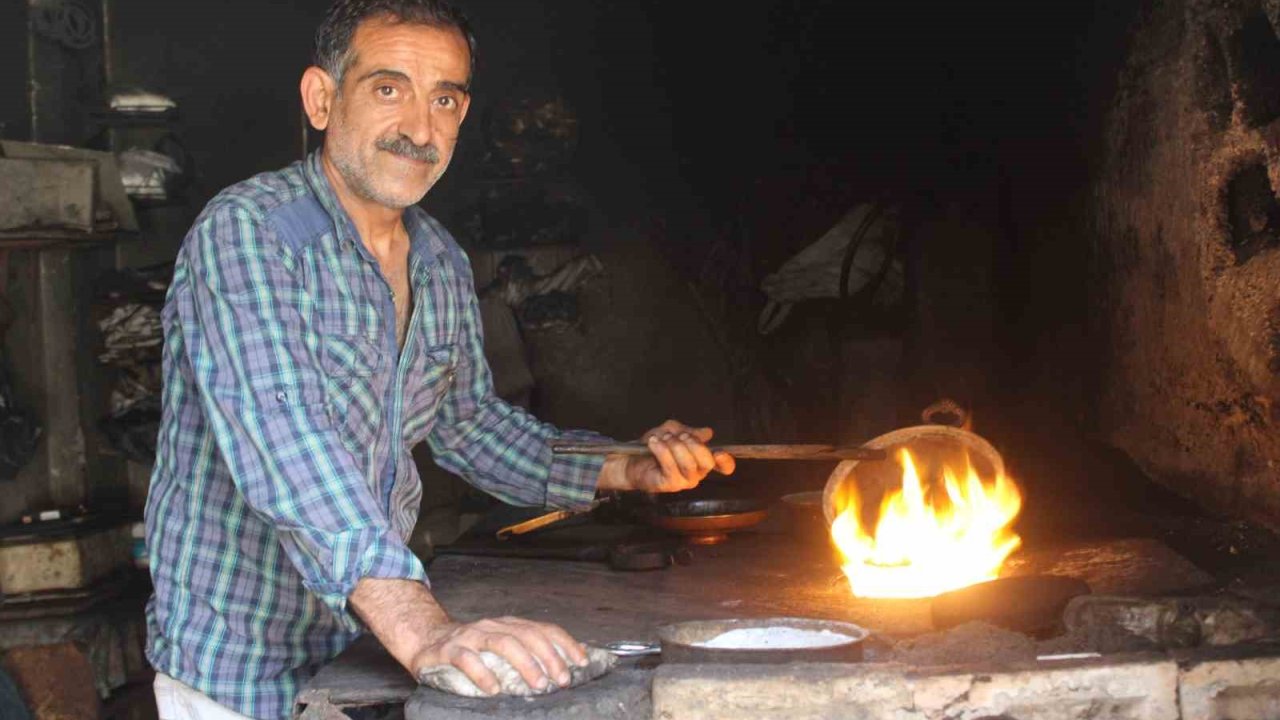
<point x="407" y="148"/>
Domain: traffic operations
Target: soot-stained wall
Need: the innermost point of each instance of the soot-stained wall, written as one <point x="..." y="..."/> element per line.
<point x="1186" y="284"/>
<point x="15" y="111"/>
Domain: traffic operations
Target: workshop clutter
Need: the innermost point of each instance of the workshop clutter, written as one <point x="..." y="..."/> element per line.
<point x="858" y="257"/>
<point x="68" y="553"/>
<point x="139" y="101"/>
<point x="543" y="302"/>
<point x="65" y="188"/>
<point x="530" y="132"/>
<point x="128" y="305"/>
<point x="70" y="631"/>
<point x="148" y="174"/>
<point x="19" y="429"/>
<point x="143" y="127"/>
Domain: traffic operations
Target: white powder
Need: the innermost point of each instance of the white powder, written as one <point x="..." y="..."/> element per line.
<point x="775" y="638"/>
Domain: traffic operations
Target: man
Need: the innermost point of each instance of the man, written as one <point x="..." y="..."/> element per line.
<point x="320" y="325"/>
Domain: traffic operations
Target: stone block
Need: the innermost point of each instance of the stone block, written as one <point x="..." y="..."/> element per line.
<point x="1136" y="688"/>
<point x="1230" y="688"/>
<point x="793" y="692"/>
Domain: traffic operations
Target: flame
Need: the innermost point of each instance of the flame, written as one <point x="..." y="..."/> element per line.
<point x="920" y="548"/>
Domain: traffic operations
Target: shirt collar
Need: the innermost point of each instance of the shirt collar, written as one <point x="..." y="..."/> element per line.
<point x="425" y="243"/>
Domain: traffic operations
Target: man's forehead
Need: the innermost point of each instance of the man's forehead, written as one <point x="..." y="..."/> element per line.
<point x="383" y="42"/>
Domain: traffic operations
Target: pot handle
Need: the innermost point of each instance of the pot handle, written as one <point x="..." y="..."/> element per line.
<point x="947" y="412"/>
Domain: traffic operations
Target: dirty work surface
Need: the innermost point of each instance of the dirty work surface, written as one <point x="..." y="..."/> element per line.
<point x="754" y="574"/>
<point x="757" y="575"/>
<point x="1139" y="566"/>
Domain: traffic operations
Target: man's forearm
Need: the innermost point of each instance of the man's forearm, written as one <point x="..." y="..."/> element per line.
<point x="401" y="613"/>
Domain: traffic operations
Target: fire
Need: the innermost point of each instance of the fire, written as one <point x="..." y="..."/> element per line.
<point x="923" y="545"/>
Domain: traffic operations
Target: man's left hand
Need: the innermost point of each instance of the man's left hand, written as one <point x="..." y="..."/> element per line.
<point x="679" y="459"/>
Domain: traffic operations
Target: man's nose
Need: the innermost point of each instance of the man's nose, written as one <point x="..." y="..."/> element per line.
<point x="417" y="124"/>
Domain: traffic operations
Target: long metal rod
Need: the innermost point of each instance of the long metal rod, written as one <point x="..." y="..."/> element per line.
<point x="741" y="452"/>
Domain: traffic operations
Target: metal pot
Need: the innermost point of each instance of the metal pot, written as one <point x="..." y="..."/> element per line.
<point x="941" y="441"/>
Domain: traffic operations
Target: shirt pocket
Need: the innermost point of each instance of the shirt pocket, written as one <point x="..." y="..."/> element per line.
<point x="432" y="376"/>
<point x="355" y="370"/>
<point x="344" y="355"/>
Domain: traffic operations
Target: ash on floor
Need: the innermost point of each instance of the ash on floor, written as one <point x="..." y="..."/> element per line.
<point x="968" y="643"/>
<point x="979" y="642"/>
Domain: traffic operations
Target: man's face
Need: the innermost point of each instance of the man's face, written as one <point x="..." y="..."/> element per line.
<point x="394" y="121"/>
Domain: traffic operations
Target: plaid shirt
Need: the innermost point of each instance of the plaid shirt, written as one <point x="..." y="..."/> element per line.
<point x="283" y="471"/>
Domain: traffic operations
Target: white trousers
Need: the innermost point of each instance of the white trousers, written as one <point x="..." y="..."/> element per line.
<point x="178" y="701"/>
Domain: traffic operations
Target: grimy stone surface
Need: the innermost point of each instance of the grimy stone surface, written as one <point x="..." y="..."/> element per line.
<point x="1136" y="566"/>
<point x="799" y="692"/>
<point x="1139" y="688"/>
<point x="1186" y="283"/>
<point x="1223" y="687"/>
<point x="1143" y="689"/>
<point x="1236" y="683"/>
<point x="755" y="574"/>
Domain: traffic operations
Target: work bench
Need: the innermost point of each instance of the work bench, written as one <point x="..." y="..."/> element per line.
<point x="764" y="572"/>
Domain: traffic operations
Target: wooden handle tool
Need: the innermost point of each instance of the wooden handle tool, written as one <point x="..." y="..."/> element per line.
<point x="739" y="452"/>
<point x="540" y="522"/>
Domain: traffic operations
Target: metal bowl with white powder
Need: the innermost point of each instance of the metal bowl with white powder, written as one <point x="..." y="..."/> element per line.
<point x="762" y="640"/>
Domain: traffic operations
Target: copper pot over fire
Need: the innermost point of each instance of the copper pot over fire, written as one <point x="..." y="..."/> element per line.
<point x="936" y="518"/>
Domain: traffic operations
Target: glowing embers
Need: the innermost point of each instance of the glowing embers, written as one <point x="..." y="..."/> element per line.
<point x="927" y="538"/>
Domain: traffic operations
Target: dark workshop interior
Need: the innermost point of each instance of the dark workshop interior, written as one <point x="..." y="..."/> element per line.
<point x="1049" y="226"/>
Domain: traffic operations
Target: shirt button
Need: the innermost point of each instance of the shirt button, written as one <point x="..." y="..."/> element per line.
<point x="282" y="396"/>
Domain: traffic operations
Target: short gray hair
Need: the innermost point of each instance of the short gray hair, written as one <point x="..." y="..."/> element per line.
<point x="333" y="38"/>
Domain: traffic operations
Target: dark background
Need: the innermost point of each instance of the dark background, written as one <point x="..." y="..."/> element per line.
<point x="699" y="118"/>
<point x="679" y="98"/>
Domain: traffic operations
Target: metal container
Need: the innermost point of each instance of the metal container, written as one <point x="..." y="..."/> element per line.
<point x="705" y="522"/>
<point x="681" y="642"/>
<point x="42" y="193"/>
<point x="941" y="442"/>
<point x="804" y="515"/>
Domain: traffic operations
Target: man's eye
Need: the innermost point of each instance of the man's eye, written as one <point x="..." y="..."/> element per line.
<point x="386" y="91"/>
<point x="446" y="102"/>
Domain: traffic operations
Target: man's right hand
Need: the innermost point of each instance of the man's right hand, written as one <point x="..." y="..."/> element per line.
<point x="530" y="648"/>
<point x="418" y="633"/>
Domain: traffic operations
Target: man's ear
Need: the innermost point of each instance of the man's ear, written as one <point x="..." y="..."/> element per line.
<point x="318" y="91"/>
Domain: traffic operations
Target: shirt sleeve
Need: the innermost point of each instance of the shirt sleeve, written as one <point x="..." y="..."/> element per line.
<point x="500" y="448"/>
<point x="257" y="369"/>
